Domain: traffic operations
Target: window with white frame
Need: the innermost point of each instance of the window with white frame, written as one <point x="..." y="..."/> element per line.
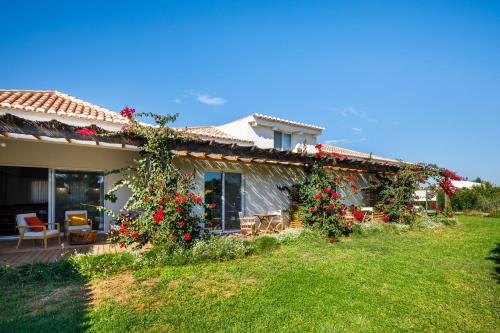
<point x="282" y="141"/>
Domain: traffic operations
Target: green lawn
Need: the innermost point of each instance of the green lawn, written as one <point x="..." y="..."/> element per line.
<point x="442" y="280"/>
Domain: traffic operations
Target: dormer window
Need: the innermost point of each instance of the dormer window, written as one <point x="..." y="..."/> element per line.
<point x="282" y="141"/>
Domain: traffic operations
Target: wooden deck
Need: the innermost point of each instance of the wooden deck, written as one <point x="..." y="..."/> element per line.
<point x="30" y="251"/>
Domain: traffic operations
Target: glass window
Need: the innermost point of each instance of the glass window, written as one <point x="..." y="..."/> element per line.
<point x="77" y="190"/>
<point x="22" y="190"/>
<point x="213" y="195"/>
<point x="232" y="200"/>
<point x="278" y="144"/>
<point x="287" y="141"/>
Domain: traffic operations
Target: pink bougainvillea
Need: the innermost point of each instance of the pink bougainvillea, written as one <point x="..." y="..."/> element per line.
<point x="86" y="131"/>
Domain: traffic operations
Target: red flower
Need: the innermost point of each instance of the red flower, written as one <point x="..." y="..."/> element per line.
<point x="212" y="205"/>
<point x="358" y="215"/>
<point x="337" y="155"/>
<point x="182" y="223"/>
<point x="354" y="187"/>
<point x="136" y="234"/>
<point x="158" y="216"/>
<point x="344" y="212"/>
<point x="319" y="146"/>
<point x="351" y="178"/>
<point x="330" y="207"/>
<point x="318" y="196"/>
<point x="123" y="228"/>
<point x="450" y="216"/>
<point x="331" y="240"/>
<point x="149" y="189"/>
<point x="187" y="236"/>
<point x="421" y="180"/>
<point x="386" y="218"/>
<point x="160" y="202"/>
<point x="327" y="190"/>
<point x="198" y="200"/>
<point x="127" y="112"/>
<point x="179" y="210"/>
<point x="319" y="154"/>
<point x="335" y="195"/>
<point x="86" y="131"/>
<point x="313" y="209"/>
<point x="122" y="245"/>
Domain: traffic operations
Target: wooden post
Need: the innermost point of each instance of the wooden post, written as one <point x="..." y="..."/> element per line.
<point x="446" y="202"/>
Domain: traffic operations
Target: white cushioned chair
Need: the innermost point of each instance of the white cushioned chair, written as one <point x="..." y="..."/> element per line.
<point x="26" y="232"/>
<point x="68" y="227"/>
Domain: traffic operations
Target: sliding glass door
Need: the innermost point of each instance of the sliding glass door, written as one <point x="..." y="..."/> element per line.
<point x="232" y="200"/>
<point x="79" y="190"/>
<point x="22" y="190"/>
<point x="224" y="190"/>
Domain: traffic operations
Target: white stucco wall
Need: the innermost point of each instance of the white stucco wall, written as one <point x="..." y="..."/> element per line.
<point x="262" y="132"/>
<point x="260" y="186"/>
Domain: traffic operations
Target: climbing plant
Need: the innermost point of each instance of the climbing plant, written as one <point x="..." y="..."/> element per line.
<point x="321" y="195"/>
<point x="162" y="205"/>
<point x="398" y="191"/>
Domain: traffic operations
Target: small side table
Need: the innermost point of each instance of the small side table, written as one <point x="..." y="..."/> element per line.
<point x="82" y="237"/>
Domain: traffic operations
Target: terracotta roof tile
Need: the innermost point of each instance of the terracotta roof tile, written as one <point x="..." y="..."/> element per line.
<point x="353" y="153"/>
<point x="211" y="132"/>
<point x="55" y="102"/>
<point x="288" y="122"/>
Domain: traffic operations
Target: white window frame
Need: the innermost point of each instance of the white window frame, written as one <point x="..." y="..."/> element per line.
<point x="283" y="140"/>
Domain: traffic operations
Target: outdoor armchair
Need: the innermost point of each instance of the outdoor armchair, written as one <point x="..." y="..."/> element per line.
<point x="26" y="230"/>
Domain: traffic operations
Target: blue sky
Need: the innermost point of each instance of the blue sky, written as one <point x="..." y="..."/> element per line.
<point x="413" y="80"/>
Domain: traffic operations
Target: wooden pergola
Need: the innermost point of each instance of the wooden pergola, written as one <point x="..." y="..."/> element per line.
<point x="11" y="125"/>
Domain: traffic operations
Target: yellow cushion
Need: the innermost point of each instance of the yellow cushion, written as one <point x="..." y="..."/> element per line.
<point x="77" y="219"/>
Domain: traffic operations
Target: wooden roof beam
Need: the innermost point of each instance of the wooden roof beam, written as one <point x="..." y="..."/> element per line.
<point x="245" y="159"/>
<point x="215" y="156"/>
<point x="198" y="155"/>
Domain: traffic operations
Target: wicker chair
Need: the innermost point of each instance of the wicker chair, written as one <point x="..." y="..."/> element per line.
<point x="248" y="224"/>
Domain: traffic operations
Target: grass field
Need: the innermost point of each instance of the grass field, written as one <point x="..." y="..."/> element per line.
<point x="420" y="281"/>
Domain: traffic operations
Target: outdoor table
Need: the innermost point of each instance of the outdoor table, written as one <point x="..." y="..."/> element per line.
<point x="266" y="218"/>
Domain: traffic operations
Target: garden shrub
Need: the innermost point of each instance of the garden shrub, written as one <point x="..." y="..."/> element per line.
<point x="97" y="266"/>
<point x="265" y="244"/>
<point x="39" y="273"/>
<point x="221" y="248"/>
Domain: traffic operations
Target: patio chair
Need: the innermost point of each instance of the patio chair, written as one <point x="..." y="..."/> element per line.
<point x="76" y="220"/>
<point x="368" y="214"/>
<point x="278" y="223"/>
<point x="26" y="231"/>
<point x="248" y="224"/>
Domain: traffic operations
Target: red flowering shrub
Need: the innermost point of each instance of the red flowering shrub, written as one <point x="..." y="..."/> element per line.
<point x="398" y="192"/>
<point x="86" y="131"/>
<point x="127" y="112"/>
<point x="162" y="209"/>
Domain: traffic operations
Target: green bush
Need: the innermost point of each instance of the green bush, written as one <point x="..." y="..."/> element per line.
<point x="265" y="244"/>
<point x="290" y="236"/>
<point x="39" y="273"/>
<point x="98" y="266"/>
<point x="221" y="248"/>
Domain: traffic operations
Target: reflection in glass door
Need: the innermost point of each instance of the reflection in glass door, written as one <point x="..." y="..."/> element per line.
<point x="232" y="200"/>
<point x="223" y="190"/>
<point x="79" y="190"/>
<point x="213" y="195"/>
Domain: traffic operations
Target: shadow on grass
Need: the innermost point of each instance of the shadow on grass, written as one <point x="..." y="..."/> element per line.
<point x="43" y="298"/>
<point x="495" y="257"/>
